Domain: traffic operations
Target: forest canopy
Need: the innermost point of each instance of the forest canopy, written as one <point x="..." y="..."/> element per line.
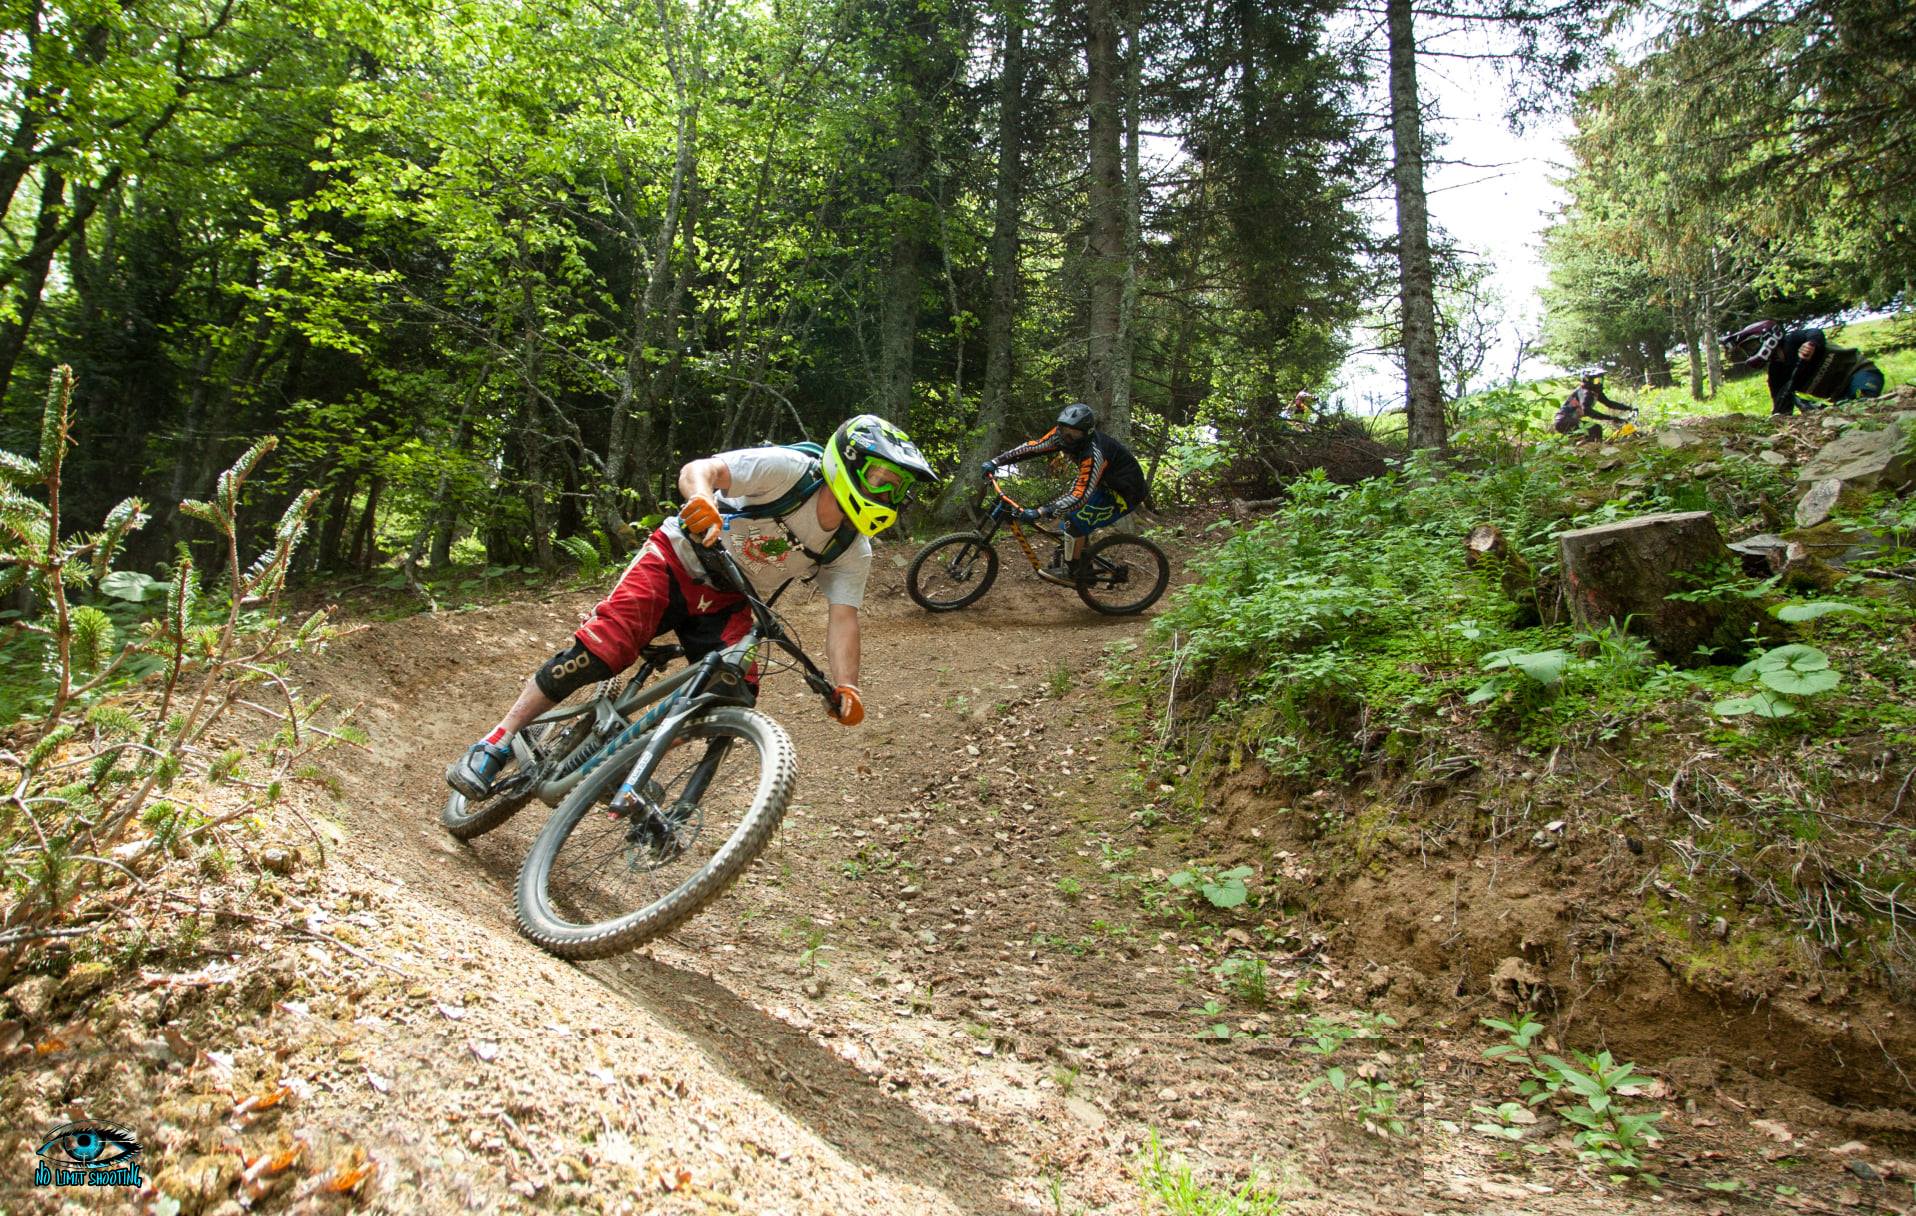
<point x="493" y="270"/>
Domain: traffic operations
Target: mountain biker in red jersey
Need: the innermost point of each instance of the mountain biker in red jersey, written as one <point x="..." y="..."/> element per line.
<point x="1110" y="483"/>
<point x="821" y="508"/>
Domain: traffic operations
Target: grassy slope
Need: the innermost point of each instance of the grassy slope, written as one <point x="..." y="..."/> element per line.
<point x="1890" y="343"/>
<point x="1348" y="658"/>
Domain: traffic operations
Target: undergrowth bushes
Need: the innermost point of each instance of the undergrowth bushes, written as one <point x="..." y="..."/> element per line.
<point x="1346" y="636"/>
<point x="108" y="782"/>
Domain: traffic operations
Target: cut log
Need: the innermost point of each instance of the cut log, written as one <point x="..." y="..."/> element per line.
<point x="1623" y="572"/>
<point x="1486" y="549"/>
<point x="1768" y="554"/>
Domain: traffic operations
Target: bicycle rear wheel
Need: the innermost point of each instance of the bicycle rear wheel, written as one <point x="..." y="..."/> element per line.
<point x="598" y="882"/>
<point x="466" y="819"/>
<point x="1123" y="574"/>
<point x="952" y="571"/>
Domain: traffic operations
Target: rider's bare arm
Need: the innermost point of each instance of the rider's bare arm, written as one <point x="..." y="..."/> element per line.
<point x="841" y="644"/>
<point x="702" y="478"/>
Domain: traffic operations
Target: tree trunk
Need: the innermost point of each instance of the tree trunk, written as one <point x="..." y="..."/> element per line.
<point x="1696" y="358"/>
<point x="1657" y="361"/>
<point x="626" y="432"/>
<point x="1423" y="381"/>
<point x="1105" y="206"/>
<point x="1712" y="352"/>
<point x="365" y="550"/>
<point x="332" y="530"/>
<point x="1118" y="421"/>
<point x="1001" y="309"/>
<point x="898" y="306"/>
<point x="446" y="513"/>
<point x="38" y="261"/>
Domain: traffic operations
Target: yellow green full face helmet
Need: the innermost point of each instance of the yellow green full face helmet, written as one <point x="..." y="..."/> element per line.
<point x="871" y="467"/>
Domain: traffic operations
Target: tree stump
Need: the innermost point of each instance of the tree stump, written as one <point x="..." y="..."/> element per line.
<point x="1622" y="572"/>
<point x="1486" y="549"/>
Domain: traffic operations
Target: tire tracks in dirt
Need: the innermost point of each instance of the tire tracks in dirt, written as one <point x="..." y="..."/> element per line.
<point x="949" y="1063"/>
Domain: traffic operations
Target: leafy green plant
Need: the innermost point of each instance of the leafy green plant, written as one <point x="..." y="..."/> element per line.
<point x="1058" y="682"/>
<point x="1170" y="1184"/>
<point x="1813" y="610"/>
<point x="1607" y="1135"/>
<point x="1216" y="1028"/>
<point x="91" y="768"/>
<point x="583" y="551"/>
<point x="1248" y="978"/>
<point x="1220" y="888"/>
<point x="1781" y="673"/>
<point x="1368" y="1095"/>
<point x="1505" y="1121"/>
<point x="1070" y="887"/>
<point x="1586" y="1093"/>
<point x="1516" y="673"/>
<point x="1520" y="1031"/>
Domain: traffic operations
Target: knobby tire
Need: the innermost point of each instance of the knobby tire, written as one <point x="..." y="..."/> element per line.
<point x="942" y="551"/>
<point x="544" y="924"/>
<point x="1156" y="572"/>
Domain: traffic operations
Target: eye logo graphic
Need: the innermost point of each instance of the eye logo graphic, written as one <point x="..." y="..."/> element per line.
<point x="88" y="1154"/>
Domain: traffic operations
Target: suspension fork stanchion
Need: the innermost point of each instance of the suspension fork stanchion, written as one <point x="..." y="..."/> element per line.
<point x="707" y="769"/>
<point x="641" y="770"/>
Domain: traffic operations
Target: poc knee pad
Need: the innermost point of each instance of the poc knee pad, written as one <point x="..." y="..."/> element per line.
<point x="570" y="670"/>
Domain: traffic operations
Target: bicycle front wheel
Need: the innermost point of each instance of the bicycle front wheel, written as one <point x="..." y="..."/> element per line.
<point x="598" y="882"/>
<point x="1123" y="574"/>
<point x="952" y="571"/>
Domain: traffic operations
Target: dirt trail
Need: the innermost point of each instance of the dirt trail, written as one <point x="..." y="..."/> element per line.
<point x="987" y="1023"/>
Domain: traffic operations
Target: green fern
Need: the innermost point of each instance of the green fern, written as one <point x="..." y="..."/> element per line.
<point x="584" y="552"/>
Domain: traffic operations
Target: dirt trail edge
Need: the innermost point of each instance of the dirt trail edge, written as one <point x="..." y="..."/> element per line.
<point x="936" y="992"/>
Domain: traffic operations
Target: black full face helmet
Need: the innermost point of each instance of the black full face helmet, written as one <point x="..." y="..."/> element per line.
<point x="1079" y="417"/>
<point x="1754" y="343"/>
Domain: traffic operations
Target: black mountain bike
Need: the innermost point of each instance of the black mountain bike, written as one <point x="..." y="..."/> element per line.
<point x="1120" y="574"/>
<point x="662" y="795"/>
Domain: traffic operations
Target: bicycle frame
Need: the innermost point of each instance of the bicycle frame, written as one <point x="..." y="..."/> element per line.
<point x="995" y="514"/>
<point x="716" y="679"/>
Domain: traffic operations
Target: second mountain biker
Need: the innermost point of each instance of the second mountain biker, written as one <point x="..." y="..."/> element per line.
<point x="1110" y="483"/>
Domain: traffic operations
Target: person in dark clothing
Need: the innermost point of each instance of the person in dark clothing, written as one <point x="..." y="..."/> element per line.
<point x="1109" y="486"/>
<point x="1802" y="363"/>
<point x="1582" y="403"/>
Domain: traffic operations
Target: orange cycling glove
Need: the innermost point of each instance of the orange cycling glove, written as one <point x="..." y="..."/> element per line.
<point x="851" y="707"/>
<point x="700" y="519"/>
